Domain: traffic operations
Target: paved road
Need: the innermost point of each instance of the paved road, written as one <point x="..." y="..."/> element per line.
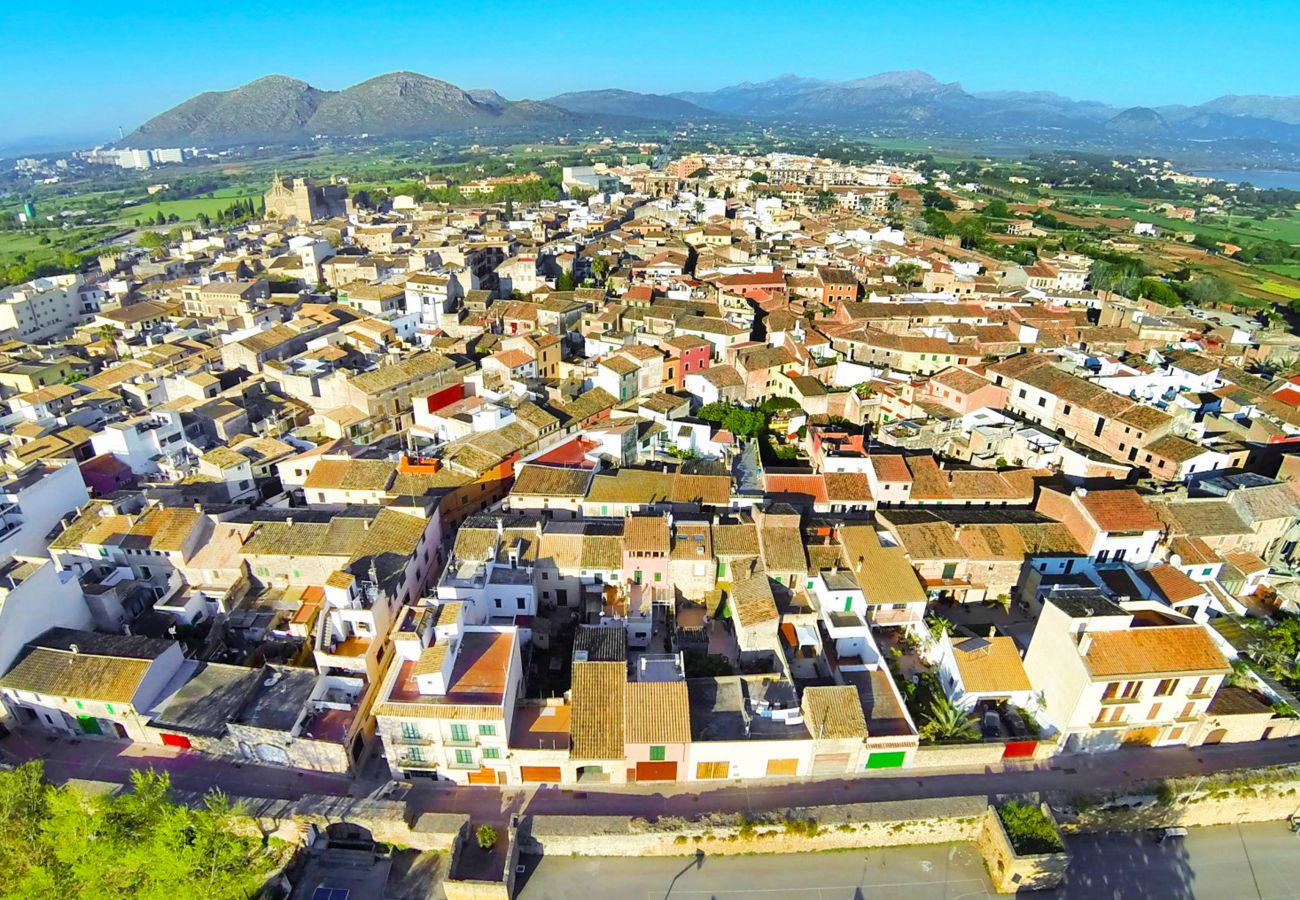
<point x="1233" y="862"/>
<point x="905" y="873"/>
<point x="111" y="761"/>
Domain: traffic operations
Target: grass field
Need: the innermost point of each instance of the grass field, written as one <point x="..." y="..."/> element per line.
<point x="1287" y="271"/>
<point x="1289" y="291"/>
<point x="186" y="210"/>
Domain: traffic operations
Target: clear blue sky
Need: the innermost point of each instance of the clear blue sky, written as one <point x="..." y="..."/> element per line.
<point x="81" y="69"/>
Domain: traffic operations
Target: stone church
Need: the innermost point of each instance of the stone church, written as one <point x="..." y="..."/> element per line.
<point x="301" y="200"/>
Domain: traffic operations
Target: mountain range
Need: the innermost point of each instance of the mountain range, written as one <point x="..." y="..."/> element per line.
<point x="405" y="105"/>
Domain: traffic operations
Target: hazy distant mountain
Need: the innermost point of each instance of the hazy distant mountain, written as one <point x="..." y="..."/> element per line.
<point x="1255" y="106"/>
<point x="399" y="104"/>
<point x="613" y="102"/>
<point x="262" y="110"/>
<point x="1049" y="103"/>
<point x="898" y="99"/>
<point x="404" y="104"/>
<point x="1138" y="120"/>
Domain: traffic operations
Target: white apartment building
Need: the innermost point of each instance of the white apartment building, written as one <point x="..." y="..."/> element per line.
<point x="41" y="308"/>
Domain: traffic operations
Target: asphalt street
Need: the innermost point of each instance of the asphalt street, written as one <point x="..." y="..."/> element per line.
<point x="1247" y="862"/>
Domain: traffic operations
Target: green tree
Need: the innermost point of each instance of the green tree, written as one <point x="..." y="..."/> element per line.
<point x="151" y="240"/>
<point x="565" y="281"/>
<point x="997" y="209"/>
<point x="599" y="267"/>
<point x="907" y="274"/>
<point x="1159" y="291"/>
<point x="1209" y="289"/>
<point x="56" y="841"/>
<point x="487" y="836"/>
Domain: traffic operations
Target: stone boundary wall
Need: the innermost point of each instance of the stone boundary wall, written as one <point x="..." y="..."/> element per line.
<point x="888" y="824"/>
<point x="1217" y="802"/>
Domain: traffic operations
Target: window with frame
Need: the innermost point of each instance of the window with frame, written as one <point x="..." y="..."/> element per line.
<point x="656" y="754"/>
<point x="1166" y="687"/>
<point x="464" y="758"/>
<point x="410" y="731"/>
<point x="487" y="730"/>
<point x="459" y="731"/>
<point x="491" y="753"/>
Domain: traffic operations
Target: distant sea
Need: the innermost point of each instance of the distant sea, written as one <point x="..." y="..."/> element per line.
<point x="1264" y="178"/>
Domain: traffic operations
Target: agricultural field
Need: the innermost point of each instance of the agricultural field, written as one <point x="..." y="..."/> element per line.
<point x="186" y="210"/>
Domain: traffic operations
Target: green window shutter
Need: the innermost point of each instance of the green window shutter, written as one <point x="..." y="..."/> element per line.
<point x="79" y="706"/>
<point x="659" y="576"/>
<point x="656" y="754"/>
<point x="109" y="707"/>
<point x="487" y="729"/>
<point x="848" y="604"/>
<point x="459" y="732"/>
<point x="491" y="753"/>
<point x="415" y="754"/>
<point x="638" y="576"/>
<point x="464" y="757"/>
<point x="410" y="730"/>
<point x="722" y="570"/>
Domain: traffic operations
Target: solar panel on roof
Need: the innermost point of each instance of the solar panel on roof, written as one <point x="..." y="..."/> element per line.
<point x="329" y="893"/>
<point x="970" y="645"/>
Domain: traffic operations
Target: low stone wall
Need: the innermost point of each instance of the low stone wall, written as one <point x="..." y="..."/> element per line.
<point x="1010" y="871"/>
<point x="386" y="820"/>
<point x="1220" y="801"/>
<point x="794" y="831"/>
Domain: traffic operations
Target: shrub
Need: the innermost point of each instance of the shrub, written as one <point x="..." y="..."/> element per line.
<point x="487" y="836"/>
<point x="1029" y="828"/>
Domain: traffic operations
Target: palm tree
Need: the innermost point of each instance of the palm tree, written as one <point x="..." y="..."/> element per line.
<point x="948" y="723"/>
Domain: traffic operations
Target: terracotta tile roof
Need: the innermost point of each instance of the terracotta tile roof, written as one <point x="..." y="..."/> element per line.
<point x="657" y="712"/>
<point x="645" y="534"/>
<point x="550" y="481"/>
<point x="885" y="575"/>
<point x="1173" y="584"/>
<point x="890" y="468"/>
<point x="1122" y="510"/>
<point x="833" y="712"/>
<point x="77" y="675"/>
<point x="752" y="602"/>
<point x="995" y="667"/>
<point x="598" y="712"/>
<point x="1152" y="651"/>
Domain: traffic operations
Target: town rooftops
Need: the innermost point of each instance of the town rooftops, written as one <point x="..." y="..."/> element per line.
<point x="1153" y="651"/>
<point x="86" y="665"/>
<point x="833" y="711"/>
<point x="1119" y="511"/>
<point x="657" y="712"/>
<point x="990" y="665"/>
<point x="598" y="723"/>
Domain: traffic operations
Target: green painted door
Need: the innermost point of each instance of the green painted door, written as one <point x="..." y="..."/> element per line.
<point x="89" y="724"/>
<point x="891" y="760"/>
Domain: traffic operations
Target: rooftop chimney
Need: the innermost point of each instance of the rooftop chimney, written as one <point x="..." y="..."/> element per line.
<point x="1085" y="643"/>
